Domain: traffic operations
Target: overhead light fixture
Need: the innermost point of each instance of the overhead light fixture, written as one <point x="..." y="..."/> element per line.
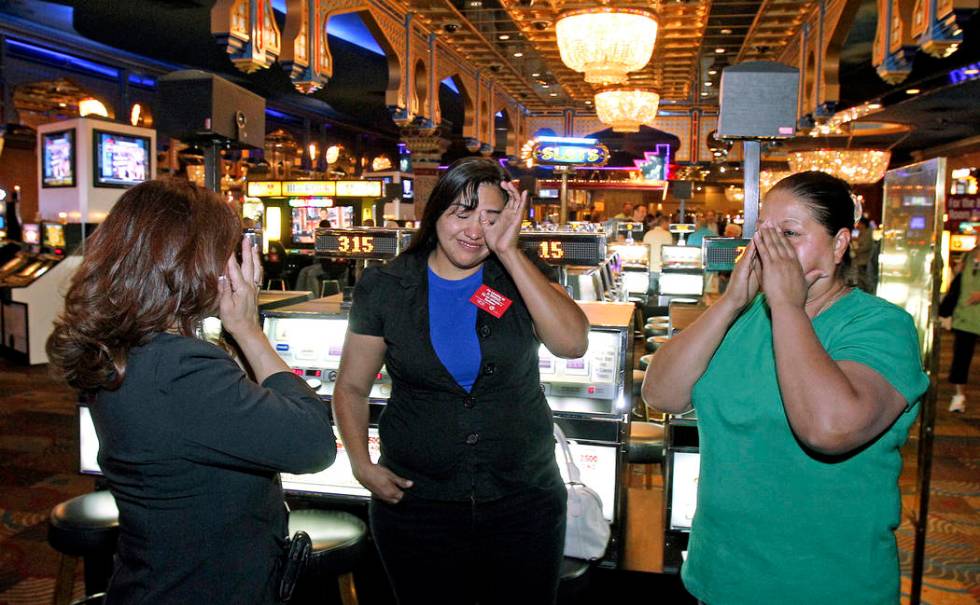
<point x="92" y="107"/>
<point x="708" y="83"/>
<point x="518" y="54"/>
<point x="332" y="154"/>
<point x="606" y="43"/>
<point x="720" y="51"/>
<point x="912" y="91"/>
<point x="726" y="31"/>
<point x="503" y="37"/>
<point x="552" y="94"/>
<point x="856" y="166"/>
<point x="768" y="178"/>
<point x="704" y="94"/>
<point x="536" y="74"/>
<point x="588" y="102"/>
<point x="712" y="72"/>
<point x="874" y="106"/>
<point x="626" y="109"/>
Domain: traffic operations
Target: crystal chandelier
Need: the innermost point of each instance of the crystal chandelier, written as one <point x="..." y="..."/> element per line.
<point x="625" y="110"/>
<point x="856" y="166"/>
<point x="606" y="43"/>
<point x="768" y="178"/>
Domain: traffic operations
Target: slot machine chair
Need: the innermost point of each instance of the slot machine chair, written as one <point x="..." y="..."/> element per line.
<point x="84" y="527"/>
<point x="339" y="543"/>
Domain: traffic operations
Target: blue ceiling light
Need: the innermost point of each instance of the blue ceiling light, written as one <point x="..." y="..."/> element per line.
<point x="451" y="85"/>
<point x="39" y="53"/>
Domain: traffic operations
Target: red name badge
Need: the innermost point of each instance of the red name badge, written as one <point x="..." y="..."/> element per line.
<point x="491" y="301"/>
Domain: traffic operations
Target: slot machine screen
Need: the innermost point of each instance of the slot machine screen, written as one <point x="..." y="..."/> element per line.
<point x="590" y="383"/>
<point x="680" y="257"/>
<point x="305" y="221"/>
<point x="338" y="478"/>
<point x="682" y="284"/>
<point x="408" y="189"/>
<point x="58" y="161"/>
<point x="54" y="235"/>
<point x="31" y="233"/>
<point x="121" y="160"/>
<point x="684" y="489"/>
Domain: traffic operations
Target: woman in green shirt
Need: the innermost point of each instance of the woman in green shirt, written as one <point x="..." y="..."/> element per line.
<point x="805" y="390"/>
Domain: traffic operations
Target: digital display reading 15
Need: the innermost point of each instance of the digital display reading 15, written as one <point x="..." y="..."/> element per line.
<point x="551" y="250"/>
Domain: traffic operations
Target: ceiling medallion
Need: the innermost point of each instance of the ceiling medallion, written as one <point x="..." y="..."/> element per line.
<point x="606" y="43"/>
<point x="626" y="109"/>
<point x="856" y="166"/>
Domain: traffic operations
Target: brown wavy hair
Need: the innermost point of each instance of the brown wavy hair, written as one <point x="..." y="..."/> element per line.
<point x="152" y="266"/>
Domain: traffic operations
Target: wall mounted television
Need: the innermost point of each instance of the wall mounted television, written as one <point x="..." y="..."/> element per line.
<point x="58" y="159"/>
<point x="121" y="160"/>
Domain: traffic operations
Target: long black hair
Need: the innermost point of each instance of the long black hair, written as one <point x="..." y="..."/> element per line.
<point x="457" y="187"/>
<point x="828" y="198"/>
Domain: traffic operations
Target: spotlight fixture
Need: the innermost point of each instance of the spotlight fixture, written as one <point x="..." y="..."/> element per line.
<point x="720" y="51"/>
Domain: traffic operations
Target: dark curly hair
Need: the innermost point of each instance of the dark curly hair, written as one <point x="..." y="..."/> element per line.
<point x="151" y="266"/>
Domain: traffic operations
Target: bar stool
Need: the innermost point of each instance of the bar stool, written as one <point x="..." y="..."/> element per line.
<point x="279" y="280"/>
<point x="574" y="578"/>
<point x="338" y="545"/>
<point x="86" y="527"/>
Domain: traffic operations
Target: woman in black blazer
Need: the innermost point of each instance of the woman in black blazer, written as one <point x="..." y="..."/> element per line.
<point x="191" y="447"/>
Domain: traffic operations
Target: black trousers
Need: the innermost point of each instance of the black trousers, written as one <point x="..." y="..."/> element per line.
<point x="507" y="551"/>
<point x="963" y="344"/>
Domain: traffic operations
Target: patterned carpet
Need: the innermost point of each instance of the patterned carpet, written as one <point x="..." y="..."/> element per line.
<point x="39" y="458"/>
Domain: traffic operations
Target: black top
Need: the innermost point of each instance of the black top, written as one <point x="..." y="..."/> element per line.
<point x="191" y="449"/>
<point x="490" y="442"/>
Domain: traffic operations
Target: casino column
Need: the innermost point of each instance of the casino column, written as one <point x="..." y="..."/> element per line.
<point x="426" y="147"/>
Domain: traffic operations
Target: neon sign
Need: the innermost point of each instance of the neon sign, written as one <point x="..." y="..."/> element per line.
<point x="556" y="151"/>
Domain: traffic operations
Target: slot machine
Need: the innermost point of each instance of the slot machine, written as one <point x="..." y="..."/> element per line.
<point x="681" y="274"/>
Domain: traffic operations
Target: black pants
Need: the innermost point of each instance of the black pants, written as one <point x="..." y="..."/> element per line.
<point x="963" y="343"/>
<point x="506" y="551"/>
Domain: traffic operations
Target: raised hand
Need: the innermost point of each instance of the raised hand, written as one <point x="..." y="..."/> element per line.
<point x="238" y="290"/>
<point x="744" y="282"/>
<point x="781" y="277"/>
<point x="501" y="234"/>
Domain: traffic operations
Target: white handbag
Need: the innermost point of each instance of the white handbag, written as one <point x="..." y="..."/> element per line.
<point x="587" y="531"/>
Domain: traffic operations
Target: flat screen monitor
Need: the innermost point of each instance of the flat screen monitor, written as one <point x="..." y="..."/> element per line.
<point x="305" y="221"/>
<point x="548" y="193"/>
<point x="682" y="284"/>
<point x="54" y="235"/>
<point x="121" y="160"/>
<point x="58" y="158"/>
<point x="31" y="233"/>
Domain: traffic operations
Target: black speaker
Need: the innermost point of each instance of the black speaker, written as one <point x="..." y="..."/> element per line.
<point x="681" y="189"/>
<point x="198" y="105"/>
<point x="758" y="100"/>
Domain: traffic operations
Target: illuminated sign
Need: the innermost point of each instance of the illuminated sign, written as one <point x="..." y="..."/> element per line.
<point x="310" y="202"/>
<point x="569" y="248"/>
<point x="264" y="189"/>
<point x="312" y="188"/>
<point x="359" y="188"/>
<point x="555" y="151"/>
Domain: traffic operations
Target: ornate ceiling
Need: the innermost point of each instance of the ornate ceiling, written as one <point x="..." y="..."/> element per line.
<point x="515" y="39"/>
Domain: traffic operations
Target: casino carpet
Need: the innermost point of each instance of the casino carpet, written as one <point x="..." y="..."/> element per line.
<point x="39" y="459"/>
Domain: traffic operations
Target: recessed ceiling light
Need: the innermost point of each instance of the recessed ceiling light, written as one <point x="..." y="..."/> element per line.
<point x="518" y="55"/>
<point x="874" y="106"/>
<point x="503" y="37"/>
<point x="535" y="74"/>
<point x="552" y="94"/>
<point x="545" y="86"/>
<point x="720" y="51"/>
<point x="587" y="102"/>
<point x="972" y="71"/>
<point x="912" y="91"/>
<point x="726" y="31"/>
<point x="704" y="94"/>
<point x="712" y="72"/>
<point x="707" y="84"/>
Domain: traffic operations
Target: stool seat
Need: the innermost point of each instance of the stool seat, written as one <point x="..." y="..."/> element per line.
<point x="659" y="319"/>
<point x="646" y="443"/>
<point x="85" y="524"/>
<point x="654" y="342"/>
<point x="655" y="330"/>
<point x="338" y="539"/>
<point x="645" y="361"/>
<point x="573" y="569"/>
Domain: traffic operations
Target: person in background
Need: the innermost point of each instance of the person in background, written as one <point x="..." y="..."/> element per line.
<point x="960" y="312"/>
<point x="626" y="214"/>
<point x="658" y="237"/>
<point x="733" y="230"/>
<point x="707" y="227"/>
<point x="862" y="247"/>
<point x="190" y="446"/>
<point x="639" y="213"/>
<point x="368" y="222"/>
<point x="467" y="449"/>
<point x="805" y="390"/>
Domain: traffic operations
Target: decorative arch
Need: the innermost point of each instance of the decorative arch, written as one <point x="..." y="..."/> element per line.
<point x="469" y="109"/>
<point x="386" y="34"/>
<point x="420" y="88"/>
<point x="504" y="132"/>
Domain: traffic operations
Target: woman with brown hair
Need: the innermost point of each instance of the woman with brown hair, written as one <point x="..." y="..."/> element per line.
<point x="190" y="446"/>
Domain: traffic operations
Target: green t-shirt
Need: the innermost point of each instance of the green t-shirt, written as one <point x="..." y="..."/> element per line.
<point x="776" y="524"/>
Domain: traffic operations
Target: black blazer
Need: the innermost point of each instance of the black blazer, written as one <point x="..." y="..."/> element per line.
<point x="493" y="441"/>
<point x="192" y="449"/>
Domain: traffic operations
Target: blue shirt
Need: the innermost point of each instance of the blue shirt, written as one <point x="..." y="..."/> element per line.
<point x="452" y="325"/>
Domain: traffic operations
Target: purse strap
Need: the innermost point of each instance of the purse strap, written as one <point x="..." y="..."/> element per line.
<point x="574" y="476"/>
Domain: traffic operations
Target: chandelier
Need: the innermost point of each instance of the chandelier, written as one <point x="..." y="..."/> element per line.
<point x="625" y="110"/>
<point x="856" y="166"/>
<point x="768" y="178"/>
<point x="606" y="43"/>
